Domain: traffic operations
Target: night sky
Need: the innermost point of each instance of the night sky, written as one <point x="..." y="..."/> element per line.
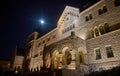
<point x="19" y="18"/>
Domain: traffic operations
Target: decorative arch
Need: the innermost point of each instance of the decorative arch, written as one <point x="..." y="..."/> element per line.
<point x="67" y="57"/>
<point x="81" y="55"/>
<point x="56" y="59"/>
<point x="47" y="60"/>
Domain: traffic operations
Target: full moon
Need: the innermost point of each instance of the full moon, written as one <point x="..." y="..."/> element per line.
<point x="42" y="21"/>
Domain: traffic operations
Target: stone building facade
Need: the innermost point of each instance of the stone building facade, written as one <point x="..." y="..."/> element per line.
<point x="82" y="41"/>
<point x="18" y="58"/>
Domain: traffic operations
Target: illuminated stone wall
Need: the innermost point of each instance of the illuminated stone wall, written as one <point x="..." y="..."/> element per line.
<point x="18" y="62"/>
<point x="110" y="39"/>
<point x="111" y="17"/>
<point x="73" y="52"/>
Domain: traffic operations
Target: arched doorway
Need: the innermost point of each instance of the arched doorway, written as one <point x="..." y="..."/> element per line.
<point x="67" y="57"/>
<point x="47" y="60"/>
<point x="56" y="59"/>
<point x="81" y="57"/>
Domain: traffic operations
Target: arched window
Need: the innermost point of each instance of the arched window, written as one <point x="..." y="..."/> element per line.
<point x="86" y="18"/>
<point x="81" y="58"/>
<point x="92" y="33"/>
<point x="90" y="16"/>
<point x="96" y="32"/>
<point x="106" y="26"/>
<point x="102" y="30"/>
<point x="100" y="11"/>
<point x="117" y="2"/>
<point x="105" y="9"/>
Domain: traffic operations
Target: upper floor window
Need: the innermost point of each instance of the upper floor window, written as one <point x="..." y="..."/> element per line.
<point x="102" y="30"/>
<point x="106" y="26"/>
<point x="92" y="33"/>
<point x="98" y="54"/>
<point x="96" y="32"/>
<point x="68" y="28"/>
<point x="105" y="9"/>
<point x="90" y="16"/>
<point x="109" y="51"/>
<point x="99" y="30"/>
<point x="116" y="2"/>
<point x="100" y="11"/>
<point x="86" y="18"/>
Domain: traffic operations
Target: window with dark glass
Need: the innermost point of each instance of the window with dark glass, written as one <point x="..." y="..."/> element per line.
<point x="92" y="34"/>
<point x="109" y="51"/>
<point x="96" y="32"/>
<point x="106" y="26"/>
<point x="100" y="11"/>
<point x="117" y="2"/>
<point x="102" y="31"/>
<point x="98" y="54"/>
<point x="90" y="16"/>
<point x="86" y="18"/>
<point x="105" y="9"/>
